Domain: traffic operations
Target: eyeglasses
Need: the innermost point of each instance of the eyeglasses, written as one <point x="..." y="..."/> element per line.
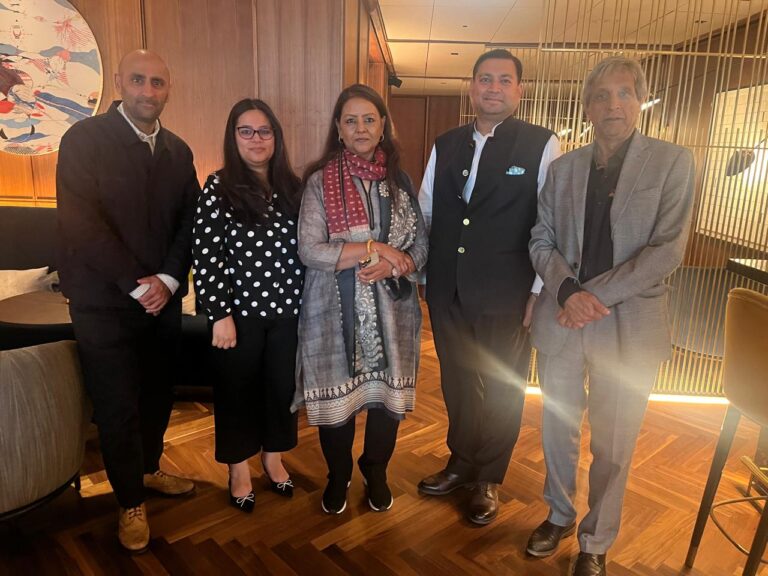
<point x="247" y="133"/>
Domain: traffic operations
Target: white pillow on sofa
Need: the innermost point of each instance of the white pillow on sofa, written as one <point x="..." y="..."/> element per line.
<point x="15" y="282"/>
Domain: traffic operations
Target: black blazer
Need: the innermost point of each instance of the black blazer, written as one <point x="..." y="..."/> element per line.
<point x="480" y="250"/>
<point x="123" y="212"/>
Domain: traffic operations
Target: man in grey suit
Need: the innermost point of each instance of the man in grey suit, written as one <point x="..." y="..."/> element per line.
<point x="612" y="224"/>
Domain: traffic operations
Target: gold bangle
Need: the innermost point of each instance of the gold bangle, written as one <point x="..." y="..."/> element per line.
<point x="368" y="245"/>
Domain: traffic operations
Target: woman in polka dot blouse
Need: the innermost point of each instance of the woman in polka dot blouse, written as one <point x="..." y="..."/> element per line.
<point x="248" y="278"/>
<point x="362" y="237"/>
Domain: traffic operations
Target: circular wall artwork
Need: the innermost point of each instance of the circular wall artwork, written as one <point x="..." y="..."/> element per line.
<point x="50" y="74"/>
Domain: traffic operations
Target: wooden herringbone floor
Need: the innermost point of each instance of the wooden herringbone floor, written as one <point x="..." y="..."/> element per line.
<point x="201" y="534"/>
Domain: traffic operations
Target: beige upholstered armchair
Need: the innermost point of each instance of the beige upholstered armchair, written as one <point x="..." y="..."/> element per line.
<point x="44" y="414"/>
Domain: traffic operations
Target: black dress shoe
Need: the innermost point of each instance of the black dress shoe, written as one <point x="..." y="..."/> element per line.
<point x="544" y="540"/>
<point x="442" y="483"/>
<point x="589" y="565"/>
<point x="484" y="504"/>
<point x="243" y="503"/>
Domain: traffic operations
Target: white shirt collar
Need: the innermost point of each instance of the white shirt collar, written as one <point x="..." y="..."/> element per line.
<point x="148" y="138"/>
<point x="477" y="135"/>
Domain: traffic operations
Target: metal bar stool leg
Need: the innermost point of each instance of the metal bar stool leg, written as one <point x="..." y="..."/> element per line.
<point x="758" y="545"/>
<point x="724" y="442"/>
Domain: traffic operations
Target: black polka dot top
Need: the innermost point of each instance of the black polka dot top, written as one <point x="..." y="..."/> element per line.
<point x="242" y="270"/>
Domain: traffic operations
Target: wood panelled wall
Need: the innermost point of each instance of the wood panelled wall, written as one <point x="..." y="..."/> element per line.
<point x="364" y="60"/>
<point x="208" y="47"/>
<point x="409" y="118"/>
<point x="300" y="47"/>
<point x="418" y="120"/>
<point x="291" y="53"/>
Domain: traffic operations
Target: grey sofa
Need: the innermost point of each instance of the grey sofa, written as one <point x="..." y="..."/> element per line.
<point x="44" y="414"/>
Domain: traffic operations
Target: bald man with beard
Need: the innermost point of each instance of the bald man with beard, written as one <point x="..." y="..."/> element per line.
<point x="126" y="191"/>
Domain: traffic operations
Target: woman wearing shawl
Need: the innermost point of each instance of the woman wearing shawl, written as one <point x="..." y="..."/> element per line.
<point x="362" y="238"/>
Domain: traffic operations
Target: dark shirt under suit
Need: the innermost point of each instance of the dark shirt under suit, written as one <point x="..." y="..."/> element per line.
<point x="597" y="251"/>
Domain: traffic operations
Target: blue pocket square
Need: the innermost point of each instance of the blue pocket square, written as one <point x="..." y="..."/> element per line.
<point x="515" y="171"/>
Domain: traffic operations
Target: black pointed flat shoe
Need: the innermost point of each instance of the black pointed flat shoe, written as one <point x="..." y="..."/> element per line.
<point x="243" y="503"/>
<point x="284" y="489"/>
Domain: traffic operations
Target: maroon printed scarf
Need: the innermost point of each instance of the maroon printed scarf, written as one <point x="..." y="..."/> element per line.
<point x="343" y="206"/>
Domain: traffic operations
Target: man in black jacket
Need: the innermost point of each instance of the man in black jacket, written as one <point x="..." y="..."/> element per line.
<point x="479" y="198"/>
<point x="126" y="190"/>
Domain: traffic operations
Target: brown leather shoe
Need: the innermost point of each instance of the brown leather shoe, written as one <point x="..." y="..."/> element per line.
<point x="544" y="540"/>
<point x="484" y="504"/>
<point x="442" y="483"/>
<point x="133" y="529"/>
<point x="589" y="565"/>
<point x="168" y="484"/>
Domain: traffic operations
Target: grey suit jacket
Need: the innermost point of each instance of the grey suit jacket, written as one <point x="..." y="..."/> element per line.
<point x="650" y="217"/>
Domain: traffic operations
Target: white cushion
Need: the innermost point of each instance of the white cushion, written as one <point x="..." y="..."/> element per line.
<point x="15" y="282"/>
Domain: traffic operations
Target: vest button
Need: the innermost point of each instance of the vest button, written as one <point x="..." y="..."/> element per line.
<point x="461" y="250"/>
<point x="465" y="173"/>
<point x="465" y="221"/>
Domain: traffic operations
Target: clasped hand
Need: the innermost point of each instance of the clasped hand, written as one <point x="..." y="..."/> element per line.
<point x="158" y="295"/>
<point x="392" y="263"/>
<point x="580" y="309"/>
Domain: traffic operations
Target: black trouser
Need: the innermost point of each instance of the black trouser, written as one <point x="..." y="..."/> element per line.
<point x="484" y="370"/>
<point x="128" y="359"/>
<point x="254" y="390"/>
<point x="380" y="437"/>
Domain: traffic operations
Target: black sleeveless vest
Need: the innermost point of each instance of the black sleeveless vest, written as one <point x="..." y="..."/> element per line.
<point x="480" y="250"/>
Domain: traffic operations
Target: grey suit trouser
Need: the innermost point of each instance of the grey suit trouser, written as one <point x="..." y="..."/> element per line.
<point x="616" y="403"/>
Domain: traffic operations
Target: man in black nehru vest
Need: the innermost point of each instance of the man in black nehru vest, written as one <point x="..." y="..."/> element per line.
<point x="479" y="198"/>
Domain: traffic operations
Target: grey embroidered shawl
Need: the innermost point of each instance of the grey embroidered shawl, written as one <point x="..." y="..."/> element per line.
<point x="323" y="384"/>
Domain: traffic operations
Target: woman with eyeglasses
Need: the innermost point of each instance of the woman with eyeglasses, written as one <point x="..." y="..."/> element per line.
<point x="362" y="238"/>
<point x="248" y="278"/>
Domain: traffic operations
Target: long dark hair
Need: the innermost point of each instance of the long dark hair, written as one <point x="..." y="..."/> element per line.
<point x="333" y="145"/>
<point x="244" y="190"/>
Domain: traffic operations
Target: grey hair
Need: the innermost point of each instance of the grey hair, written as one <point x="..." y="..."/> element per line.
<point x="613" y="64"/>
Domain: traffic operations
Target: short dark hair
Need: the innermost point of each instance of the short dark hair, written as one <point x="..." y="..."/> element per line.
<point x="500" y="54"/>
